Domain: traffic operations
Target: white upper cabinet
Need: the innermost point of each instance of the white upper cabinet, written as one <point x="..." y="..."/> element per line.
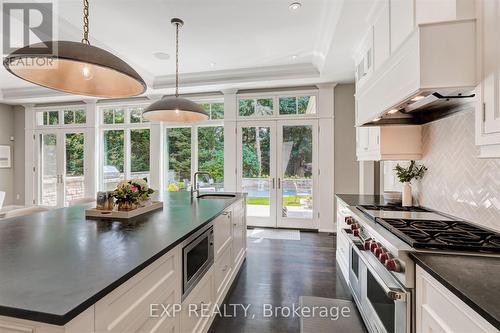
<point x="364" y="59"/>
<point x="381" y="37"/>
<point x="402" y="20"/>
<point x="389" y="143"/>
<point x="488" y="92"/>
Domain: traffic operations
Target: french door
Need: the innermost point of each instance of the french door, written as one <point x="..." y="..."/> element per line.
<point x="278" y="170"/>
<point x="60" y="171"/>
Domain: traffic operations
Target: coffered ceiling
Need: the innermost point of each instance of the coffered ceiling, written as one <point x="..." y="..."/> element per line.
<point x="224" y="44"/>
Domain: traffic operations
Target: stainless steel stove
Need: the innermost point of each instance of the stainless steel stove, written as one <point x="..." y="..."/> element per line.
<point x="381" y="272"/>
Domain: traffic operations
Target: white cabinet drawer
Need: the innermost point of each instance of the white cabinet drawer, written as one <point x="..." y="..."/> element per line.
<point x="126" y="309"/>
<point x="223" y="269"/>
<point x="197" y="307"/>
<point x="222" y="232"/>
<point x="439" y="310"/>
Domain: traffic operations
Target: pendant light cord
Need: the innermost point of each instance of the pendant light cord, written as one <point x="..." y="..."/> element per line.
<point x="85" y="39"/>
<point x="177" y="60"/>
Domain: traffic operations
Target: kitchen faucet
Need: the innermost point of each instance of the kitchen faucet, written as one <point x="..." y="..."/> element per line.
<point x="195" y="188"/>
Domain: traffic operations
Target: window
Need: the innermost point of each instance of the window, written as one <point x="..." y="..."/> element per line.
<point x="178" y="158"/>
<point x="139" y="153"/>
<point x="113" y="116"/>
<point x="297" y="105"/>
<point x="215" y="110"/>
<point x="47" y="118"/>
<point x="256" y="107"/>
<point x="136" y="115"/>
<point x="74" y="117"/>
<point x="211" y="156"/>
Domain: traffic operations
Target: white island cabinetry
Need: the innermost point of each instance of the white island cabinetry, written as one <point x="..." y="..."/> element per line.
<point x="138" y="304"/>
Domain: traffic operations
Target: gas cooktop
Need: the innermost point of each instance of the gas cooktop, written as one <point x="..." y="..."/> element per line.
<point x="443" y="234"/>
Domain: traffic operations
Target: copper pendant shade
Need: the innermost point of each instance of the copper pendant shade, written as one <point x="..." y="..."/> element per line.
<point x="175" y="109"/>
<point x="76" y="68"/>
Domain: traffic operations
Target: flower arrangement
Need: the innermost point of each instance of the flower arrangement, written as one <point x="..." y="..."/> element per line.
<point x="130" y="193"/>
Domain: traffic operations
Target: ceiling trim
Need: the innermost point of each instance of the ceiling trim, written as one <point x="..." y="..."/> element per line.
<point x="242" y="75"/>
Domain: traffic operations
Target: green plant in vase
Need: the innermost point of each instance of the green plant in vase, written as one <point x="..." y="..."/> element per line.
<point x="406" y="175"/>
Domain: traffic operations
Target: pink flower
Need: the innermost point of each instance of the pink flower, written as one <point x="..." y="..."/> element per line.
<point x="134" y="189"/>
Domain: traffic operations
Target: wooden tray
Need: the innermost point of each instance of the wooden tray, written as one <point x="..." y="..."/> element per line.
<point x="116" y="214"/>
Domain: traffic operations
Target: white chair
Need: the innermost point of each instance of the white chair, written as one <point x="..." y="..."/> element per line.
<point x="81" y="201"/>
<point x="24" y="211"/>
<point x="2" y="198"/>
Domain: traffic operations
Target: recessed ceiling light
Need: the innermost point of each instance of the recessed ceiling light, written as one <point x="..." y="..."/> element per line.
<point x="162" y="55"/>
<point x="392" y="111"/>
<point x="417" y="98"/>
<point x="294" y="6"/>
<point x="212" y="64"/>
<point x="294" y="57"/>
<point x="376" y="119"/>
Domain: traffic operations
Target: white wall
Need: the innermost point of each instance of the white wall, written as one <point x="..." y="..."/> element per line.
<point x="18" y="155"/>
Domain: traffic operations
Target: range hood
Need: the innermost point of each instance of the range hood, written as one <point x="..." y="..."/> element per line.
<point x="430" y="76"/>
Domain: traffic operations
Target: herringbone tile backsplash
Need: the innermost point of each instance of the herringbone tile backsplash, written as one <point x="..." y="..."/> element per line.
<point x="457" y="182"/>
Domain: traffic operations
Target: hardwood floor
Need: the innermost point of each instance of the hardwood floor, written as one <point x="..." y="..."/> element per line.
<point x="278" y="272"/>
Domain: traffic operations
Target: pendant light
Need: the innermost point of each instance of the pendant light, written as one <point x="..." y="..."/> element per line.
<point x="77" y="68"/>
<point x="175" y="109"/>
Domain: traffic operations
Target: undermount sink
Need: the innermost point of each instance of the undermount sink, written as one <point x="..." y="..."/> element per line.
<point x="216" y="196"/>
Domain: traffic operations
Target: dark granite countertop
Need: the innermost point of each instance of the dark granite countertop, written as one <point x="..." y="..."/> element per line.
<point x="56" y="264"/>
<point x="473" y="279"/>
<point x="362" y="199"/>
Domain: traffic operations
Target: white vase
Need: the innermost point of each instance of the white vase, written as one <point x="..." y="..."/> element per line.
<point x="407" y="194"/>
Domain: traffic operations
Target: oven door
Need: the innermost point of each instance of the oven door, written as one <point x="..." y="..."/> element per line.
<point x="386" y="303"/>
<point x="197" y="258"/>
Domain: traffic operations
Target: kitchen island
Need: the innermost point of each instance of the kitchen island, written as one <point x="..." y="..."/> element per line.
<point x="57" y="266"/>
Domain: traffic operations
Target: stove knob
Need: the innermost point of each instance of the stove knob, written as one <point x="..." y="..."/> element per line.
<point x="383" y="257"/>
<point x="355" y="232"/>
<point x="348" y="220"/>
<point x="354" y="226"/>
<point x="379" y="251"/>
<point x="393" y="265"/>
<point x="373" y="246"/>
<point x="367" y="244"/>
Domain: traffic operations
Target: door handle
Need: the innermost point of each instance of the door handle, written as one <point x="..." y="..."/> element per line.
<point x="274" y="183"/>
<point x="279" y="183"/>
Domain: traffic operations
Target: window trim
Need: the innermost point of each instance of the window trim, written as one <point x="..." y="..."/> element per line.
<point x="60" y="110"/>
<point x="275" y="95"/>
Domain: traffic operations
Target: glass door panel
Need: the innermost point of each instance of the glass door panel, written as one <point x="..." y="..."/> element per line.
<point x="178" y="159"/>
<point x="48" y="170"/>
<point x="211" y="158"/>
<point x="114" y="158"/>
<point x="297" y="142"/>
<point x="256" y="159"/>
<point x="74" y="173"/>
<point x="139" y="153"/>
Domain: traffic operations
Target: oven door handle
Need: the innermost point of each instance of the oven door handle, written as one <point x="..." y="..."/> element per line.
<point x="395" y="294"/>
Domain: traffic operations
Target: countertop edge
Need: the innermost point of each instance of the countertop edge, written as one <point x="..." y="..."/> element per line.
<point x="61" y="320"/>
<point x="464" y="298"/>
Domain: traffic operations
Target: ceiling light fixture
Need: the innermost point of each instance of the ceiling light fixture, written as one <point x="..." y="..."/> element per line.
<point x="294" y="6"/>
<point x="175" y="109"/>
<point x="75" y="67"/>
<point x="393" y="111"/>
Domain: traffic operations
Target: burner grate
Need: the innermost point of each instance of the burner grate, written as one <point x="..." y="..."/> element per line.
<point x="438" y="234"/>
